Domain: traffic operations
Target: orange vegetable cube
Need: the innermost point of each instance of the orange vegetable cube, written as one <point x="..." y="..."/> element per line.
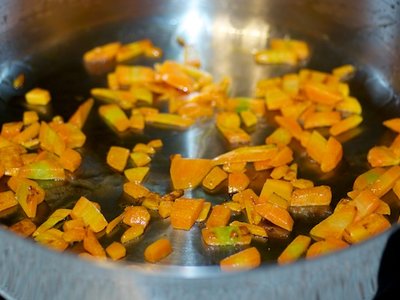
<point x="52" y="238"/>
<point x="302" y="183"/>
<point x="135" y="190"/>
<point x="234" y="206"/>
<point x="243" y="260"/>
<point x="345" y="125"/>
<point x="319" y="195"/>
<point x="185" y="212"/>
<point x="276" y="215"/>
<point x="164" y="209"/>
<point x="316" y="146"/>
<point x="50" y="140"/>
<point x="204" y="212"/>
<point x="116" y="251"/>
<point x="322" y="119"/>
<point x="169" y="120"/>
<point x="140" y="159"/>
<point x="157" y="143"/>
<point x="334" y="225"/>
<point x="11" y="129"/>
<point x="24" y="228"/>
<point x="283" y="157"/>
<point x="278" y="200"/>
<point x="275" y="56"/>
<point x="92" y="245"/>
<point x="280" y="137"/>
<point x="133" y="232"/>
<point x="188" y="173"/>
<point x="114" y="116"/>
<point x="81" y="114"/>
<point x="219" y="216"/>
<point x="332" y="156"/>
<point x="320" y="93"/>
<point x="117" y="157"/>
<point x="249" y="118"/>
<point x="325" y="247"/>
<point x="46" y="169"/>
<point x="366" y="203"/>
<point x="254" y="229"/>
<point x="237" y="181"/>
<point x="382" y="156"/>
<point x="136" y="215"/>
<point x="385" y="182"/>
<point x="279" y="187"/>
<point x="132" y="50"/>
<point x="57" y="216"/>
<point x="90" y="214"/>
<point x="136" y="174"/>
<point x="279" y="172"/>
<point x="123" y="99"/>
<point x="275" y="99"/>
<point x="70" y="159"/>
<point x="136" y="121"/>
<point x="294" y="250"/>
<point x="393" y="124"/>
<point x="371" y="225"/>
<point x="128" y="75"/>
<point x="29" y="194"/>
<point x="158" y="250"/>
<point x="72" y="135"/>
<point x="227" y="235"/>
<point x="38" y="96"/>
<point x="367" y="178"/>
<point x="7" y="200"/>
<point x="247" y="154"/>
<point x="291" y="125"/>
<point x="101" y="59"/>
<point x="214" y="178"/>
<point x="114" y="223"/>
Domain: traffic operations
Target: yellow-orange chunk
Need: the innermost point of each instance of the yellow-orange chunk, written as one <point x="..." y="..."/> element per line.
<point x="187" y="173"/>
<point x="276" y="215"/>
<point x="116" y="251"/>
<point x="325" y="247"/>
<point x="38" y="96"/>
<point x="185" y="212"/>
<point x="138" y="215"/>
<point x="214" y="178"/>
<point x="295" y="249"/>
<point x="219" y="216"/>
<point x="158" y="250"/>
<point x="243" y="260"/>
<point x="117" y="157"/>
<point x="90" y="214"/>
<point x="319" y="195"/>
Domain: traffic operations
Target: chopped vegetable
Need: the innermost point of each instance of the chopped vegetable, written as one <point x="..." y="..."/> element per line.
<point x="89" y="213"/>
<point x="158" y="250"/>
<point x="185" y="212"/>
<point x="188" y="173"/>
<point x="117" y="157"/>
<point x="295" y="249"/>
<point x="243" y="260"/>
<point x="38" y="96"/>
<point x="219" y="216"/>
<point x="116" y="251"/>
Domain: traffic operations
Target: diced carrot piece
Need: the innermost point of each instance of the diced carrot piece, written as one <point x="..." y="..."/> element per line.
<point x="185" y="212"/>
<point x="11" y="161"/>
<point x="345" y="125"/>
<point x="276" y="215"/>
<point x="366" y="228"/>
<point x="136" y="121"/>
<point x="136" y="174"/>
<point x="89" y="213"/>
<point x="164" y="209"/>
<point x="366" y="203"/>
<point x="279" y="172"/>
<point x="173" y="74"/>
<point x="247" y="154"/>
<point x="7" y="200"/>
<point x="254" y="229"/>
<point x="28" y="134"/>
<point x="322" y="119"/>
<point x="278" y="200"/>
<point x="214" y="178"/>
<point x="294" y="250"/>
<point x="70" y="159"/>
<point x="228" y="120"/>
<point x="81" y="114"/>
<point x="52" y="238"/>
<point x="92" y="245"/>
<point x="47" y="169"/>
<point x="235" y="136"/>
<point x="291" y="173"/>
<point x="50" y="140"/>
<point x="152" y="201"/>
<point x="116" y="251"/>
<point x="295" y="111"/>
<point x="385" y="182"/>
<point x="140" y="159"/>
<point x="73" y="224"/>
<point x="319" y="195"/>
<point x="157" y="143"/>
<point x="133" y="232"/>
<point x="29" y="194"/>
<point x="325" y="247"/>
<point x="332" y="156"/>
<point x="204" y="212"/>
<point x="367" y="178"/>
<point x="234" y="206"/>
<point x="132" y="50"/>
<point x="170" y="120"/>
<point x="237" y="181"/>
<point x="382" y="156"/>
<point x="393" y="124"/>
<point x="219" y="216"/>
<point x="57" y="216"/>
<point x="136" y="215"/>
<point x="275" y="56"/>
<point x="320" y="93"/>
<point x="249" y="118"/>
<point x="297" y="46"/>
<point x="302" y="183"/>
<point x="344" y="72"/>
<point x="252" y="216"/>
<point x="11" y="129"/>
<point x="291" y="84"/>
<point x="265" y="84"/>
<point x="114" y="116"/>
<point x="128" y="75"/>
<point x="291" y="125"/>
<point x="117" y="157"/>
<point x="196" y="110"/>
<point x="135" y="190"/>
<point x="349" y="105"/>
<point x="275" y="99"/>
<point x="188" y="173"/>
<point x="243" y="260"/>
<point x="158" y="250"/>
<point x="280" y="137"/>
<point x="279" y="187"/>
<point x="72" y="135"/>
<point x="246" y="194"/>
<point x="114" y="222"/>
<point x="283" y="157"/>
<point x="38" y="96"/>
<point x="123" y="99"/>
<point x="334" y="225"/>
<point x="24" y="228"/>
<point x="101" y="59"/>
<point x="227" y="235"/>
<point x="316" y="146"/>
<point x="143" y="148"/>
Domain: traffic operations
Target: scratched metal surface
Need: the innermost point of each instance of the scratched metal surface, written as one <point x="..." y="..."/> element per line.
<point x="224" y="33"/>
